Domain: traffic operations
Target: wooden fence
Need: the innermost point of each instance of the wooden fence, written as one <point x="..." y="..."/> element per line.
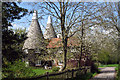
<point x="57" y="76"/>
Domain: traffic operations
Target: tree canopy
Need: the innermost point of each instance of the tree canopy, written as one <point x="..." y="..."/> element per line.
<point x="10" y="12"/>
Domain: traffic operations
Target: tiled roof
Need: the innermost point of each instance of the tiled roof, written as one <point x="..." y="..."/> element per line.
<point x="57" y="42"/>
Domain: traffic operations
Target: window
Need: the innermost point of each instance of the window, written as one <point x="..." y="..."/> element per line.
<point x="26" y="50"/>
<point x="38" y="63"/>
<point x="37" y="50"/>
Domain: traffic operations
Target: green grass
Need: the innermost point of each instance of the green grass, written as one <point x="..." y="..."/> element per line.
<point x="94" y="74"/>
<point x="109" y="65"/>
<point x="41" y="71"/>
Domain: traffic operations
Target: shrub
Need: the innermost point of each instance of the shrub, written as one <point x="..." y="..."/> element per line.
<point x="80" y="76"/>
<point x="94" y="68"/>
<point x="17" y="70"/>
<point x="118" y="73"/>
<point x="55" y="69"/>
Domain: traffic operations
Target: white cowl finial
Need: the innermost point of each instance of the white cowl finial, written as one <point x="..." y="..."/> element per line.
<point x="35" y="15"/>
<point x="49" y="20"/>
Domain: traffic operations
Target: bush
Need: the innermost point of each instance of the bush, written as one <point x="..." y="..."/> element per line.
<point x="17" y="70"/>
<point x="55" y="69"/>
<point x="94" y="68"/>
<point x="80" y="76"/>
<point x="118" y="73"/>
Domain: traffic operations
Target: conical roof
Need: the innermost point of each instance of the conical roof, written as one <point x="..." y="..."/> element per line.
<point x="35" y="36"/>
<point x="50" y="32"/>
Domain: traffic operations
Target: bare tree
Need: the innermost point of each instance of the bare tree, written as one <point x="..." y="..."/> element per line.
<point x="69" y="17"/>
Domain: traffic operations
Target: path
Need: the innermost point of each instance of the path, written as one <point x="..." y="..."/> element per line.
<point x="107" y="73"/>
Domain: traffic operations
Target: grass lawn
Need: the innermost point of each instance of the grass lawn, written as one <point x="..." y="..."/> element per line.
<point x="109" y="65"/>
<point x="40" y="71"/>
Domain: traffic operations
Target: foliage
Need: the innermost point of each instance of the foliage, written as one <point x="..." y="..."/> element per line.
<point x="94" y="74"/>
<point x="13" y="51"/>
<point x="11" y="41"/>
<point x="103" y="56"/>
<point x="118" y="72"/>
<point x="10" y="12"/>
<point x="94" y="68"/>
<point x="17" y="70"/>
<point x="55" y="69"/>
<point x="107" y="56"/>
<point x="84" y="76"/>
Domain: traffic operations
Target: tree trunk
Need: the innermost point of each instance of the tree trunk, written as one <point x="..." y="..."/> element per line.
<point x="65" y="53"/>
<point x="81" y="54"/>
<point x="119" y="30"/>
<point x="119" y="46"/>
<point x="64" y="34"/>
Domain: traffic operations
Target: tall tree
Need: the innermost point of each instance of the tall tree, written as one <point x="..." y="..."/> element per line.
<point x="68" y="16"/>
<point x="10" y="12"/>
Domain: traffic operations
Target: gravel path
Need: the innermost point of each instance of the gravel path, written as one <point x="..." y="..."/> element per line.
<point x="107" y="73"/>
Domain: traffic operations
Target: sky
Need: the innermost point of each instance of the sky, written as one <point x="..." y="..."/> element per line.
<point x="25" y="21"/>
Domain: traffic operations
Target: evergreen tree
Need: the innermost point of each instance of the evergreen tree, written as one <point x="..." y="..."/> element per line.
<point x="10" y="12"/>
